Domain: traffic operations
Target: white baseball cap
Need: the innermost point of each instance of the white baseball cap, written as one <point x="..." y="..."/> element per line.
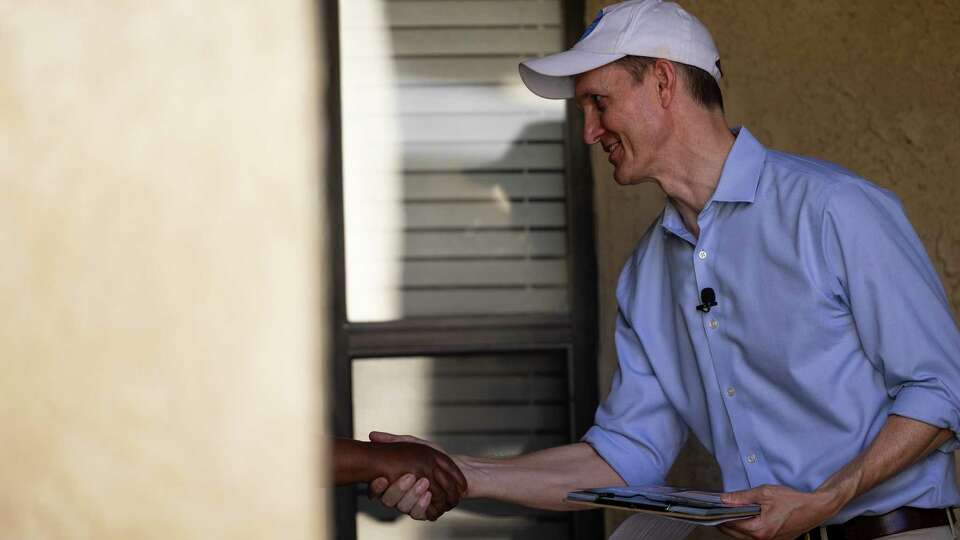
<point x="652" y="28"/>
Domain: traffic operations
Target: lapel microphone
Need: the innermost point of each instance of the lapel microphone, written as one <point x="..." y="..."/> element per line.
<point x="708" y="299"/>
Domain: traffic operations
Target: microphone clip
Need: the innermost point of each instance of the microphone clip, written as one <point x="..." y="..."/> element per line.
<point x="708" y="299"/>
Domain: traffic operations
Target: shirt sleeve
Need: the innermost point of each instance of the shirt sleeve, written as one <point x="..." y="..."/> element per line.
<point x="636" y="430"/>
<point x="899" y="307"/>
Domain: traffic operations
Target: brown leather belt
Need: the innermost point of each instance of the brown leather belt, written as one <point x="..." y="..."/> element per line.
<point x="902" y="519"/>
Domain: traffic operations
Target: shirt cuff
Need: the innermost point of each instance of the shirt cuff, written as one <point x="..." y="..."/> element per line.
<point x="928" y="406"/>
<point x="621" y="454"/>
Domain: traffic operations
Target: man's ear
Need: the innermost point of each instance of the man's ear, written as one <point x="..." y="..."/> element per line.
<point x="665" y="77"/>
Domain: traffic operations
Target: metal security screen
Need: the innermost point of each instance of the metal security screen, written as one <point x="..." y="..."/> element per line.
<point x="453" y="181"/>
<point x="464" y="274"/>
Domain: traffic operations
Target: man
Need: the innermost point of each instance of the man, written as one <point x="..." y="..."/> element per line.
<point x="432" y="482"/>
<point x="782" y="309"/>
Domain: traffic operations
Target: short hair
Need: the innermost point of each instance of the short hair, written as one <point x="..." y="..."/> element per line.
<point x="701" y="85"/>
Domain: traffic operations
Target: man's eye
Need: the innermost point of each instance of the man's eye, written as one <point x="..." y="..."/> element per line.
<point x="598" y="101"/>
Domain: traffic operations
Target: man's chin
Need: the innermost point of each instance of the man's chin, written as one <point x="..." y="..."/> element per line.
<point x="621" y="177"/>
<point x="625" y="179"/>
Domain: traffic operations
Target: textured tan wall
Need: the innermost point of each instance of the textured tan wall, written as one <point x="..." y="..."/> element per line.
<point x="159" y="280"/>
<point x="869" y="84"/>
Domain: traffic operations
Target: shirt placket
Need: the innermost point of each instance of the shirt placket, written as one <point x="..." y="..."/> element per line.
<point x="743" y="440"/>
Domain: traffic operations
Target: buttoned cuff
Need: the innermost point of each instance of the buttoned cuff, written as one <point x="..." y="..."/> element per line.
<point x="930" y="407"/>
<point x="621" y="454"/>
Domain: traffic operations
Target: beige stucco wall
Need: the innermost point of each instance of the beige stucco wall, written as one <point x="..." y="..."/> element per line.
<point x="864" y="83"/>
<point x="159" y="277"/>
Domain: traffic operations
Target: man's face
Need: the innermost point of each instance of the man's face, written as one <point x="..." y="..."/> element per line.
<point x="624" y="117"/>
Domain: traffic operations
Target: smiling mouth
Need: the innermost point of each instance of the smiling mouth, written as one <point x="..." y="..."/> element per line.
<point x="610" y="150"/>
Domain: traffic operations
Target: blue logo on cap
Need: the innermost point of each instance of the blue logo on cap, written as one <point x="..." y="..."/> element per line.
<point x="596" y="21"/>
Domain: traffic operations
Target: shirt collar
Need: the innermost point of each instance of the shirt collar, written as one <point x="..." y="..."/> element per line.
<point x="741" y="170"/>
<point x="672" y="222"/>
<point x="738" y="179"/>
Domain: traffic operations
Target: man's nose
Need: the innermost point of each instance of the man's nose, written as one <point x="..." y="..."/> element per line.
<point x="592" y="130"/>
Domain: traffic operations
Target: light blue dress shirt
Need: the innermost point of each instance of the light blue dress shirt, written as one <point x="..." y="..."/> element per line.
<point x="830" y="317"/>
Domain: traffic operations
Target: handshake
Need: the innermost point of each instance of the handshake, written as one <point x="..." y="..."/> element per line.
<point x="404" y="472"/>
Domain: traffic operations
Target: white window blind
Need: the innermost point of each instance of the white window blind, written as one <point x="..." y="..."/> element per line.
<point x="453" y="171"/>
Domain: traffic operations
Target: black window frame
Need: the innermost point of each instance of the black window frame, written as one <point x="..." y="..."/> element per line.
<point x="575" y="334"/>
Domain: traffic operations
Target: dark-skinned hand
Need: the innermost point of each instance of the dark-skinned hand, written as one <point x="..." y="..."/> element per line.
<point x="438" y="482"/>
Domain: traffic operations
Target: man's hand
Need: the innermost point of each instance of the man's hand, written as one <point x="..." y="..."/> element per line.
<point x="784" y="513"/>
<point x="422" y="480"/>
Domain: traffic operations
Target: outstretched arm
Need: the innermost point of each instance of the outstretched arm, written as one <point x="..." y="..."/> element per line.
<point x="540" y="479"/>
<point x="352" y="462"/>
<point x="786" y="513"/>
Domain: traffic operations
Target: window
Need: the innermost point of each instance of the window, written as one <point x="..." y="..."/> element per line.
<point x="464" y="269"/>
<point x="453" y="185"/>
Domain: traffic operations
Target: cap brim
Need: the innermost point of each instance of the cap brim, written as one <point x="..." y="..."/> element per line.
<point x="551" y="77"/>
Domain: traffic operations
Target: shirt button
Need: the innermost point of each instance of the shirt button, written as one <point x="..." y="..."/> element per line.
<point x="731" y="391"/>
<point x="714" y="324"/>
<point x="702" y="254"/>
<point x="752" y="458"/>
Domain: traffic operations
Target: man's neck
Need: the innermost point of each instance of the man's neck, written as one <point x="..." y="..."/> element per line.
<point x="697" y="158"/>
